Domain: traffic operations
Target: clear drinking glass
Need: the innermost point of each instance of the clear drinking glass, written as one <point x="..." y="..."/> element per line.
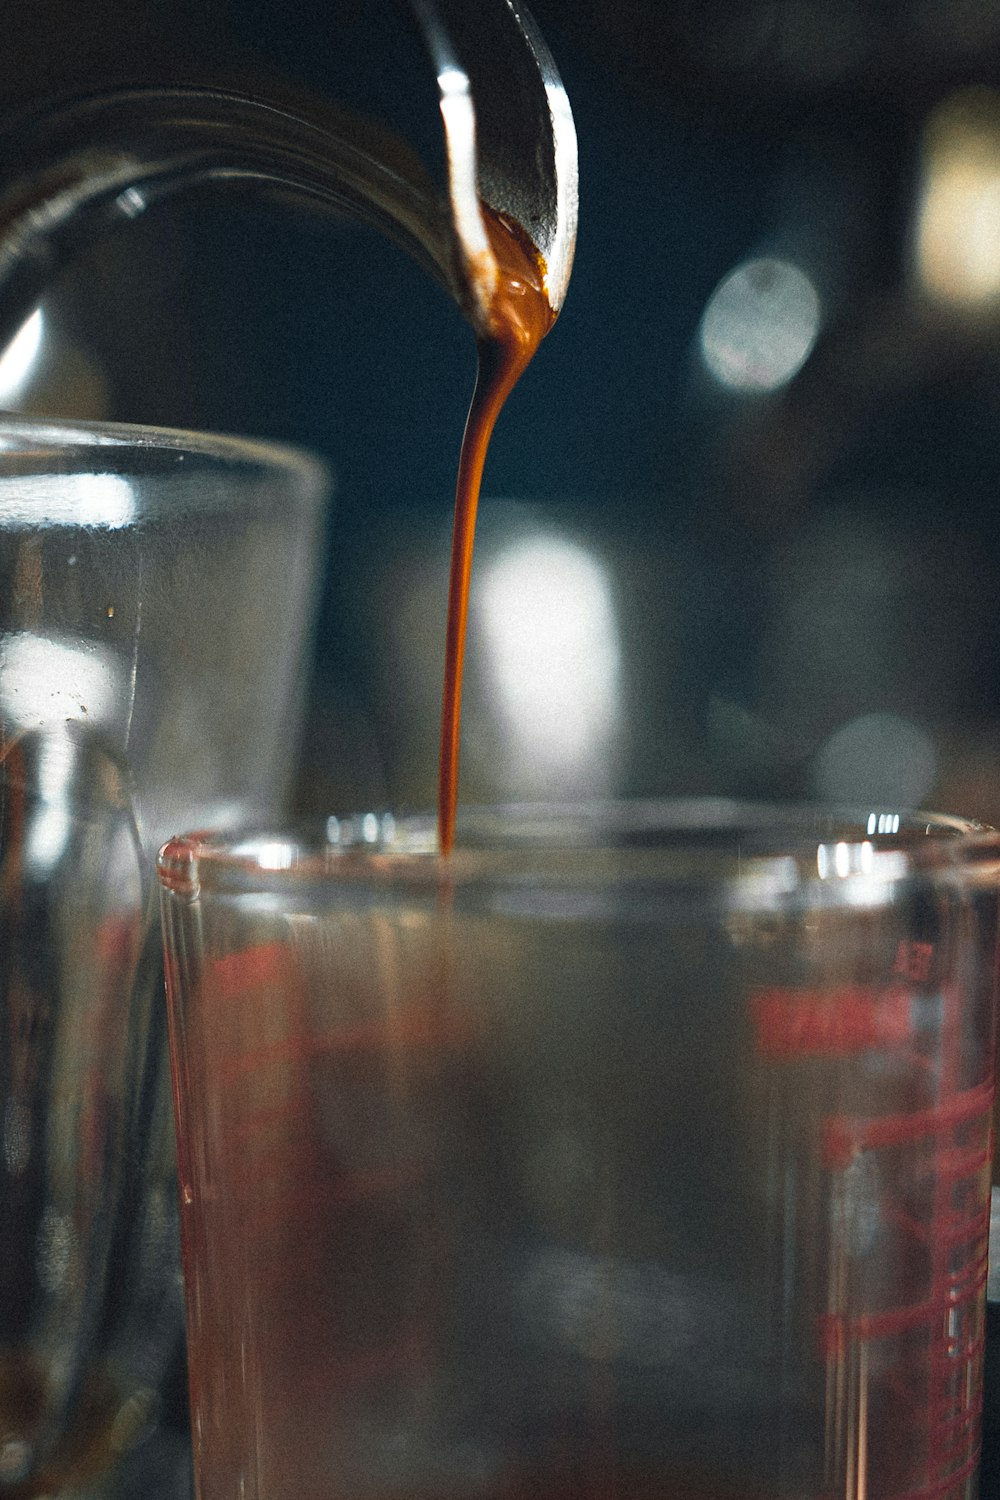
<point x="636" y="1150"/>
<point x="156" y="594"/>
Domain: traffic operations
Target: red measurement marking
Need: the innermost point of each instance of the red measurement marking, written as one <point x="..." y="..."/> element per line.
<point x="947" y="1488"/>
<point x="831" y="1335"/>
<point x="961" y="1162"/>
<point x="913" y="961"/>
<point x="949" y="1232"/>
<point x="256" y="968"/>
<point x="918" y="1229"/>
<point x="932" y="1348"/>
<point x="836" y="1330"/>
<point x="955" y="1369"/>
<point x="846" y="1136"/>
<point x="829" y="1023"/>
<point x="897" y="1320"/>
<point x="418" y="1028"/>
<point x="957" y="1427"/>
<point x="975" y="1275"/>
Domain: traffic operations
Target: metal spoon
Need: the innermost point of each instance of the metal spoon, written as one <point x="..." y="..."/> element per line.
<point x="509" y="134"/>
<point x="67" y="173"/>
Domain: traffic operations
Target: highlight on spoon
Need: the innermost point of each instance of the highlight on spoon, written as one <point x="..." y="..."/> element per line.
<point x="510" y="141"/>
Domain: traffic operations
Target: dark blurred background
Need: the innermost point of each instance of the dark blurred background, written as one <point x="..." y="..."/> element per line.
<point x="740" y="531"/>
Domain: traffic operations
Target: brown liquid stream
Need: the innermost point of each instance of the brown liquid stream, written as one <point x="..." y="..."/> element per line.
<point x="521" y="317"/>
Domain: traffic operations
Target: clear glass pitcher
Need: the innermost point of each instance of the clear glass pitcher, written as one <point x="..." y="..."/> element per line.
<point x="635" y="1150"/>
<point x="156" y="594"/>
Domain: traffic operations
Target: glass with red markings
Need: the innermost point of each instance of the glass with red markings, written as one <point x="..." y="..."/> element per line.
<point x="630" y="1151"/>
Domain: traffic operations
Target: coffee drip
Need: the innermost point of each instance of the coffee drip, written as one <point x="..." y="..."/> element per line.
<point x="499" y="237"/>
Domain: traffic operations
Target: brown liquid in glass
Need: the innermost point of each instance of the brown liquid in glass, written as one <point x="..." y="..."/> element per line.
<point x="521" y="317"/>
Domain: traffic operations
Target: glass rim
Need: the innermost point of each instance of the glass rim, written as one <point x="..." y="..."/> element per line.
<point x="20" y="436"/>
<point x="765" y="846"/>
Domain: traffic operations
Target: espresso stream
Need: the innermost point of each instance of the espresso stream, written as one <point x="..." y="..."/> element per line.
<point x="521" y="316"/>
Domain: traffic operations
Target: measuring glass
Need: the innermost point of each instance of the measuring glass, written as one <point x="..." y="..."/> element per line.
<point x="638" y="1150"/>
<point x="155" y="602"/>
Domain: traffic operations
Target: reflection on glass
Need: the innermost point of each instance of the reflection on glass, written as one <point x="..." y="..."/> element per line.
<point x="878" y="757"/>
<point x="47" y="683"/>
<point x="760" y="324"/>
<point x="45" y="680"/>
<point x="276" y="855"/>
<point x="958" y="216"/>
<point x="19" y="356"/>
<point x="50" y="829"/>
<point x="97" y="500"/>
<point x="883" y="822"/>
<point x="58" y="1251"/>
<point x="551" y="659"/>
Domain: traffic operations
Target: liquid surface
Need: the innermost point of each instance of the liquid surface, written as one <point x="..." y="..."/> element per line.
<point x="521" y="317"/>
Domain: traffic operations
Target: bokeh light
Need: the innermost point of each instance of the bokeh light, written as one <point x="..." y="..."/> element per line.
<point x="760" y="324"/>
<point x="878" y="757"/>
<point x="957" y="246"/>
<point x="551" y="661"/>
